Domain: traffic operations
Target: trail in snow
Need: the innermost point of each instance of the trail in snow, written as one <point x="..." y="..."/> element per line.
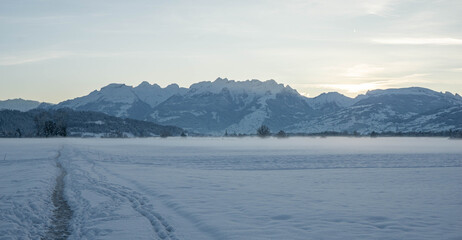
<point x="140" y="204"/>
<point x="62" y="213"/>
<point x="114" y="202"/>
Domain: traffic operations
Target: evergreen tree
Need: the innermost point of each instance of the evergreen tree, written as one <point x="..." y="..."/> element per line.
<point x="263" y="131"/>
<point x="374" y="134"/>
<point x="281" y="134"/>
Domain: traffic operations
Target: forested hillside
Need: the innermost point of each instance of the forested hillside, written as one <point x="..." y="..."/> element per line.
<point x="67" y="122"/>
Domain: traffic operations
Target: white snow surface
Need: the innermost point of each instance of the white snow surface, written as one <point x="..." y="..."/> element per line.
<point x="28" y="172"/>
<point x="236" y="188"/>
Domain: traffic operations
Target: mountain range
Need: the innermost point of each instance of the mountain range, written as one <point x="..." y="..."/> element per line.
<point x="242" y="106"/>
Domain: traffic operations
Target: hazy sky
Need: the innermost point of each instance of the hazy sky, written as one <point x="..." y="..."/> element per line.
<point x="56" y="50"/>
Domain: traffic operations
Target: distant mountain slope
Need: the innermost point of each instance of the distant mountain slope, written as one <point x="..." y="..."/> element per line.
<point x="241" y="107"/>
<point x="213" y="107"/>
<point x="121" y="100"/>
<point x="19" y="104"/>
<point x="395" y="110"/>
<point x="77" y="123"/>
<point x="331" y="98"/>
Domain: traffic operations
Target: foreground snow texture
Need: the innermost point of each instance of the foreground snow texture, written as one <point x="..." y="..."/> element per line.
<point x="212" y="188"/>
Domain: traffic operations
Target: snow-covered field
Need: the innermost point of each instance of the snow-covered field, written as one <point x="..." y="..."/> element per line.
<point x="235" y="188"/>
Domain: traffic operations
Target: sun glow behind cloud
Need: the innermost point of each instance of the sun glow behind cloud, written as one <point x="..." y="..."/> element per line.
<point x="362" y="70"/>
<point x="372" y="83"/>
<point x="352" y="88"/>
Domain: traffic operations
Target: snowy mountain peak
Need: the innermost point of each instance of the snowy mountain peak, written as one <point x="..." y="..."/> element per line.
<point x="120" y="93"/>
<point x="112" y="95"/>
<point x="173" y="86"/>
<point x="145" y="84"/>
<point x="154" y="94"/>
<point x="329" y="98"/>
<point x="451" y="95"/>
<point x="114" y="85"/>
<point x="401" y="91"/>
<point x="253" y="86"/>
<point x="412" y="91"/>
<point x="219" y="79"/>
<point x="458" y="98"/>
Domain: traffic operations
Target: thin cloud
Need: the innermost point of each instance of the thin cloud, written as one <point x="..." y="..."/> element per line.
<point x="371" y="84"/>
<point x="419" y="41"/>
<point x="353" y="88"/>
<point x="362" y="70"/>
<point x="18" y="60"/>
<point x="42" y="19"/>
<point x="379" y="7"/>
<point x="44" y="56"/>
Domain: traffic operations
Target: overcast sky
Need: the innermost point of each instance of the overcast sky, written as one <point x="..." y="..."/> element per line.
<point x="55" y="50"/>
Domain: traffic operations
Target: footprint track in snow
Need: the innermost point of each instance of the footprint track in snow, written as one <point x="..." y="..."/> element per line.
<point x="138" y="202"/>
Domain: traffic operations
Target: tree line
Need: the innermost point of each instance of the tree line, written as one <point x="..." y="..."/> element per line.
<point x="264" y="131"/>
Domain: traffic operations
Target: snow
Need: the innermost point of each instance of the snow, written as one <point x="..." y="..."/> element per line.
<point x="160" y="120"/>
<point x="456" y="99"/>
<point x="28" y="172"/>
<point x="121" y="93"/>
<point x="331" y="97"/>
<point x="253" y="120"/>
<point x="404" y="91"/>
<point x="236" y="188"/>
<point x="117" y="93"/>
<point x="154" y="94"/>
<point x="253" y="87"/>
<point x="99" y="122"/>
<point x="114" y="93"/>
